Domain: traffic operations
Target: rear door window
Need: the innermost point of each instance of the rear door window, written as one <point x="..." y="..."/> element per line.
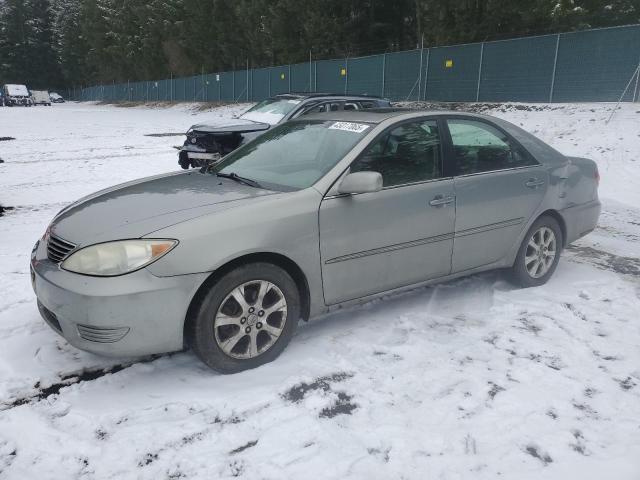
<point x="479" y="147"/>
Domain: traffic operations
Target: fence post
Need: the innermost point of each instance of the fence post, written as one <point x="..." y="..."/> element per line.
<point x="384" y="67"/>
<point x="171" y="88"/>
<point x="289" y="78"/>
<point x="269" y="81"/>
<point x="420" y="70"/>
<point x="480" y="71"/>
<point x="310" y="74"/>
<point x="553" y="75"/>
<point x="233" y="85"/>
<point x="426" y="74"/>
<point x="315" y="75"/>
<point x="635" y="90"/>
<point x="346" y="75"/>
<point x="247" y="81"/>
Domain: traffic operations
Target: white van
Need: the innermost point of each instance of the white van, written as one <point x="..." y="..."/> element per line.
<point x="16" y="95"/>
<point x="40" y="97"/>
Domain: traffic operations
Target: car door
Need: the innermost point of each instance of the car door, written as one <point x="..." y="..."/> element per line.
<point x="400" y="235"/>
<point x="498" y="186"/>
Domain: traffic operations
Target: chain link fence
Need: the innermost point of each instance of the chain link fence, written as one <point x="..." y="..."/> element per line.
<point x="586" y="66"/>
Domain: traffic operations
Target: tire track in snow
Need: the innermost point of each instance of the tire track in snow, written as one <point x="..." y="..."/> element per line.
<point x="628" y="266"/>
<point x="67" y="379"/>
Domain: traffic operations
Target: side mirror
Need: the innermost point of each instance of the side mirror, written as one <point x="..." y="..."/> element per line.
<point x="361" y="182"/>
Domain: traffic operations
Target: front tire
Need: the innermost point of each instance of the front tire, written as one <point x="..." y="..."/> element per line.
<point x="539" y="253"/>
<point x="245" y="319"/>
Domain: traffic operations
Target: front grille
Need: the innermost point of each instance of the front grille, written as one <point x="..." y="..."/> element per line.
<point x="58" y="249"/>
<point x="102" y="334"/>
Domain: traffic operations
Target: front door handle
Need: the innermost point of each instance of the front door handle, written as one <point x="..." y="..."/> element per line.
<point x="442" y="200"/>
<point x="533" y="183"/>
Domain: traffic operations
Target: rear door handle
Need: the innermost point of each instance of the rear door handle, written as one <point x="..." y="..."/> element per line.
<point x="441" y="200"/>
<point x="533" y="183"/>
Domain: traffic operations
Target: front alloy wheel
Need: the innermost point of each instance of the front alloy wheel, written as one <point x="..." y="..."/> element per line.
<point x="250" y="319"/>
<point x="244" y="318"/>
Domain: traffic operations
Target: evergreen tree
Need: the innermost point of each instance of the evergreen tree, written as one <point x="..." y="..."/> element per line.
<point x="79" y="42"/>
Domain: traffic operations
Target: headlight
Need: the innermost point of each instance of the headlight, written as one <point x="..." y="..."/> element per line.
<point x="117" y="258"/>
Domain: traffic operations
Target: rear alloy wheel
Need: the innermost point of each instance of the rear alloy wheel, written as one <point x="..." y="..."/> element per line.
<point x="539" y="253"/>
<point x="246" y="318"/>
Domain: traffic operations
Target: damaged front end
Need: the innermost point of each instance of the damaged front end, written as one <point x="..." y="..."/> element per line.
<point x="207" y="145"/>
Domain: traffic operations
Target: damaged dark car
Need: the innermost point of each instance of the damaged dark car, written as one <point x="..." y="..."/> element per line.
<point x="207" y="144"/>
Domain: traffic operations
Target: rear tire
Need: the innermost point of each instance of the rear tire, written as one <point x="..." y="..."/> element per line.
<point x="539" y="253"/>
<point x="245" y="319"/>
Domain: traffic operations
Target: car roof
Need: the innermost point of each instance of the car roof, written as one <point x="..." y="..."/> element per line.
<point x="307" y="95"/>
<point x="379" y="115"/>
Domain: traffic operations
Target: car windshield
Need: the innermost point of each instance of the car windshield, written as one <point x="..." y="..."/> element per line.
<point x="272" y="110"/>
<point x="17" y="90"/>
<point x="294" y="155"/>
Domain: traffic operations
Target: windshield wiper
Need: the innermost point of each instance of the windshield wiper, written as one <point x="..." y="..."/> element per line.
<point x="239" y="179"/>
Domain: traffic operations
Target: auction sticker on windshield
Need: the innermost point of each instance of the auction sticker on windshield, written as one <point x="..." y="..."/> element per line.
<point x="349" y="127"/>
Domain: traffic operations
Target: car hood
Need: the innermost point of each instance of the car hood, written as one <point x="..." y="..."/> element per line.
<point x="231" y="125"/>
<point x="140" y="207"/>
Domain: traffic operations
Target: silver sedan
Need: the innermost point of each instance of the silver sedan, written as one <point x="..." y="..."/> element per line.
<point x="315" y="214"/>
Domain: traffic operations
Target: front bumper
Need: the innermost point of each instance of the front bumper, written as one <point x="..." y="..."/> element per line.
<point x="18" y="101"/>
<point x="190" y="158"/>
<point x="129" y="315"/>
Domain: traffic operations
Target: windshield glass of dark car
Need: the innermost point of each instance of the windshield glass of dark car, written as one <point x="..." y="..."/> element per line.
<point x="272" y="110"/>
<point x="294" y="155"/>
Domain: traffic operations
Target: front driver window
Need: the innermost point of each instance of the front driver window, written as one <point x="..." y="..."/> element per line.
<point x="407" y="154"/>
<point x="479" y="147"/>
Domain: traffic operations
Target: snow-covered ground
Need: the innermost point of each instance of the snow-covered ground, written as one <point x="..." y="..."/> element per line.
<point x="469" y="379"/>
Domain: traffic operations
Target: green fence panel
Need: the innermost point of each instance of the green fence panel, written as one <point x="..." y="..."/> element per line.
<point x="331" y="76"/>
<point x="200" y="87"/>
<point x="301" y="77"/>
<point x="596" y="65"/>
<point x="226" y="87"/>
<point x="259" y="84"/>
<point x="241" y="87"/>
<point x="179" y="89"/>
<point x="507" y="74"/>
<point x="279" y="79"/>
<point x="191" y="88"/>
<point x="212" y="87"/>
<point x="402" y="74"/>
<point x="162" y="90"/>
<point x="364" y="75"/>
<point x="140" y="91"/>
<point x="590" y="65"/>
<point x="452" y="73"/>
